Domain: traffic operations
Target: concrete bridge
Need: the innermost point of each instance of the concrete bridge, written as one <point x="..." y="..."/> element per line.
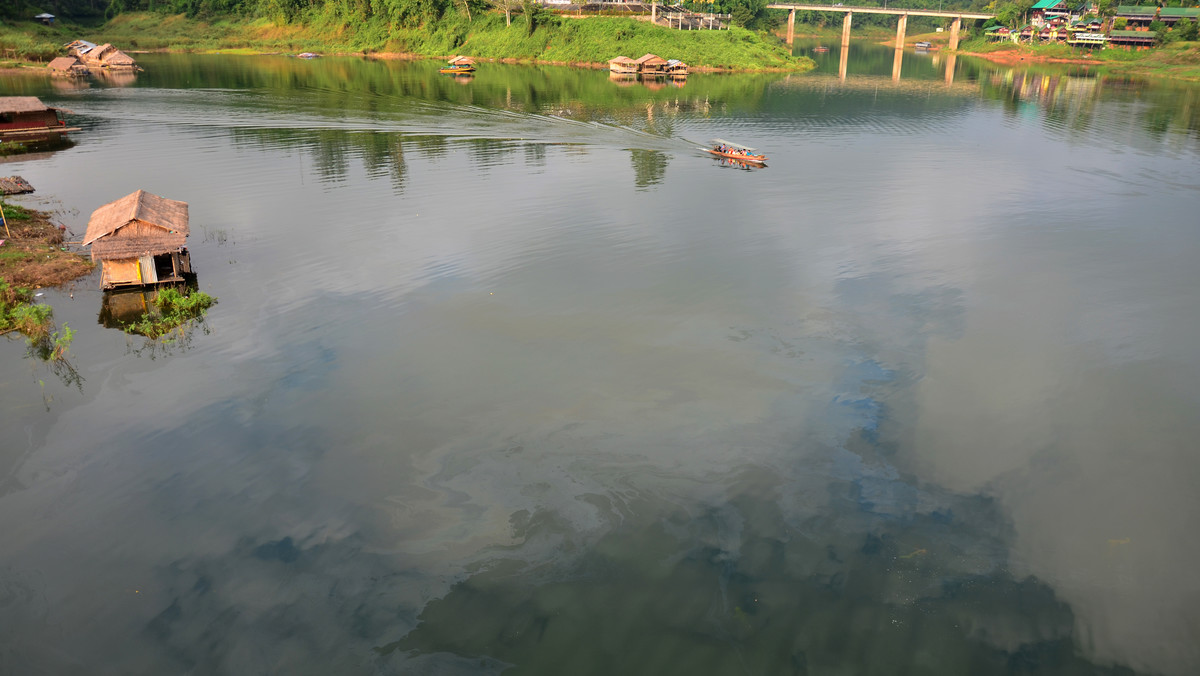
<point x="957" y="15"/>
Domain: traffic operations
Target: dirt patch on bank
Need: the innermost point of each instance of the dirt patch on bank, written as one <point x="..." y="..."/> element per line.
<point x="33" y="255"/>
<point x="1012" y="57"/>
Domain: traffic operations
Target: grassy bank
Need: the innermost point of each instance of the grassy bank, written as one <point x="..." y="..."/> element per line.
<point x="32" y="257"/>
<point x="556" y="39"/>
<point x="1180" y="60"/>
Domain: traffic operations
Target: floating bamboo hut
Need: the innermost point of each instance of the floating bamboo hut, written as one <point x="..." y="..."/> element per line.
<point x="25" y="119"/>
<point x="139" y="240"/>
<point x="101" y="57"/>
<point x="623" y="65"/>
<point x="68" y="66"/>
<point x="650" y="64"/>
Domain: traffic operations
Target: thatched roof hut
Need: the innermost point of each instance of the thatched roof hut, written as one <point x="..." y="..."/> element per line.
<point x="139" y="223"/>
<point x="107" y="56"/>
<point x="650" y="63"/>
<point x="622" y="64"/>
<point x="22" y="104"/>
<point x="67" y="65"/>
<point x="462" y="61"/>
<point x="650" y="59"/>
<point x="139" y="240"/>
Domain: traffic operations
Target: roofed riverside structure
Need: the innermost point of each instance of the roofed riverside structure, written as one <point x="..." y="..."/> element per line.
<point x="26" y="119"/>
<point x="139" y="240"/>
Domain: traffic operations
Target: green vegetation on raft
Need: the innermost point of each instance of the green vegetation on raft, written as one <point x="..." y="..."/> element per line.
<point x="555" y="39"/>
<point x="172" y="310"/>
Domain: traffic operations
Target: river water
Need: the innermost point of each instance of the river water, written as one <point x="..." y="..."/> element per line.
<point x="507" y="376"/>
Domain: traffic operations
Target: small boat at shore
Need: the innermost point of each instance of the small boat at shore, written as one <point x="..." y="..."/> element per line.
<point x="307" y="55"/>
<point x="736" y="151"/>
<point x="459" y="65"/>
<point x="820" y="50"/>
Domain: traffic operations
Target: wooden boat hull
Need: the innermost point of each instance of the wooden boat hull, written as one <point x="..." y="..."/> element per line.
<point x="454" y="71"/>
<point x="753" y="159"/>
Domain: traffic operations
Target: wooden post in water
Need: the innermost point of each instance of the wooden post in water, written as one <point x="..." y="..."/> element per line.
<point x="846" y="31"/>
<point x="954" y="32"/>
<point x="791" y="25"/>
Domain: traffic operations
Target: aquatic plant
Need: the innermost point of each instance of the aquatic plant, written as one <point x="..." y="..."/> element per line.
<point x="172" y="310"/>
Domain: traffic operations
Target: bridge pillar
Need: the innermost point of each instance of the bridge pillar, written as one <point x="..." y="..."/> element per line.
<point x="954" y="32"/>
<point x="846" y="31"/>
<point x="901" y="26"/>
<point x="653" y="12"/>
<point x="791" y="25"/>
<point x="842" y="61"/>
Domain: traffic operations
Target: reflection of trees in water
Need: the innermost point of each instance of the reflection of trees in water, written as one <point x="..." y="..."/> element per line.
<point x="741" y="589"/>
<point x="383" y="155"/>
<point x="649" y="167"/>
<point x="1072" y="99"/>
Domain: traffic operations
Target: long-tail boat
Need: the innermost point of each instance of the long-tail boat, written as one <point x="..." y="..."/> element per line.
<point x="735" y="151"/>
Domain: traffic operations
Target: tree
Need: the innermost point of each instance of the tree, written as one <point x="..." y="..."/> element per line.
<point x="1189" y="31"/>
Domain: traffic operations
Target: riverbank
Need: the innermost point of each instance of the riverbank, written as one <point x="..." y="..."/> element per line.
<point x="32" y="257"/>
<point x="554" y="40"/>
<point x="1179" y="61"/>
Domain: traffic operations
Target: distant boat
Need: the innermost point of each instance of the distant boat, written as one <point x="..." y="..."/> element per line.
<point x="923" y="45"/>
<point x="819" y="48"/>
<point x="736" y="151"/>
<point x="307" y="55"/>
<point x="459" y="65"/>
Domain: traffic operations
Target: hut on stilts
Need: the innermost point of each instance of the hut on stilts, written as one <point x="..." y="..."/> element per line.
<point x="139" y="241"/>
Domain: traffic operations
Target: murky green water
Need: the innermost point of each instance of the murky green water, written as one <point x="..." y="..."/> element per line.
<point x="505" y="374"/>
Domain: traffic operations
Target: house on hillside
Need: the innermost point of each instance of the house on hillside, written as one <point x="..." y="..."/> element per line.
<point x="139" y="240"/>
<point x="1137" y="16"/>
<point x="26" y="119"/>
<point x="1174" y="15"/>
<point x="1044" y="10"/>
<point x="1132" y="40"/>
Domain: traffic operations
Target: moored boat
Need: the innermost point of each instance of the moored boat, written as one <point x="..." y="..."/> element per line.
<point x="26" y="119"/>
<point x="459" y="64"/>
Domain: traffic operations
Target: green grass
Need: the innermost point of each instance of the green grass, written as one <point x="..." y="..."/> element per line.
<point x="172" y="311"/>
<point x="1177" y="60"/>
<point x="556" y="39"/>
<point x="19" y="313"/>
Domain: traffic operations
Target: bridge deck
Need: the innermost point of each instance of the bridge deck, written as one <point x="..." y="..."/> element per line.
<point x="950" y="14"/>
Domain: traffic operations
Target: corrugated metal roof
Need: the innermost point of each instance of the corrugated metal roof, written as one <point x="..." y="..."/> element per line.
<point x="1137" y="10"/>
<point x="1179" y="11"/>
<point x="1133" y="34"/>
<point x="1047" y="4"/>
